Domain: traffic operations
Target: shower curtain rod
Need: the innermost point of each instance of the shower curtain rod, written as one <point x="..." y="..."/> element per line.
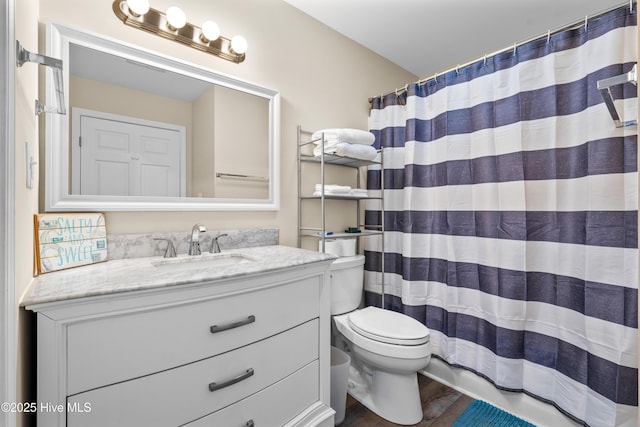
<point x="577" y="24"/>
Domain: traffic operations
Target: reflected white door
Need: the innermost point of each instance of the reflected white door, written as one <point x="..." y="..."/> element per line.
<point x="119" y="158"/>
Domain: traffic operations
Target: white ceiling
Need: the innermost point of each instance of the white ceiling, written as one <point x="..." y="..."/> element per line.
<point x="429" y="36"/>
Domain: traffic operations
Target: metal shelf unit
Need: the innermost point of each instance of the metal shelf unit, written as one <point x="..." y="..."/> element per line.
<point x="330" y="159"/>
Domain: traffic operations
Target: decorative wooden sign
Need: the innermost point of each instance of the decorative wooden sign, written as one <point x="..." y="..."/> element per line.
<point x="69" y="240"/>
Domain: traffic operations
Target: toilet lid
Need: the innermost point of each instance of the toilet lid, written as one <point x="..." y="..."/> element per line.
<point x="388" y="326"/>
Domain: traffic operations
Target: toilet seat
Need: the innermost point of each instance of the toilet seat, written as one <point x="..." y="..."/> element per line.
<point x="388" y="326"/>
<point x="376" y="346"/>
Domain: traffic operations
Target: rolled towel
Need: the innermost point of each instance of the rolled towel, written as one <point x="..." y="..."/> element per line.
<point x="349" y="136"/>
<point x="362" y="152"/>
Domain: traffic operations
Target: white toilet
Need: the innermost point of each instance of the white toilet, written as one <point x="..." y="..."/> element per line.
<point x="387" y="348"/>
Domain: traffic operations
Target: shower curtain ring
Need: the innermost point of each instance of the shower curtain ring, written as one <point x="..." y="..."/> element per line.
<point x="586" y="21"/>
<point x="515" y="46"/>
<point x="549" y="34"/>
<point x="630" y="6"/>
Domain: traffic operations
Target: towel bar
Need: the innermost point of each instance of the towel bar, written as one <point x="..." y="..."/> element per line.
<point x="605" y="84"/>
<point x="239" y="176"/>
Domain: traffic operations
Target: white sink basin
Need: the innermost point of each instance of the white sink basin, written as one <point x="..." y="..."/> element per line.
<point x="206" y="260"/>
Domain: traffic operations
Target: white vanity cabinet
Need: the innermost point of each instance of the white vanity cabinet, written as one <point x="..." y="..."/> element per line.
<point x="251" y="350"/>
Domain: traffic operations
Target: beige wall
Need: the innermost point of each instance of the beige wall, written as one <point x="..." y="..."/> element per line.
<point x="203" y="175"/>
<point x="26" y="200"/>
<point x="324" y="80"/>
<point x="241" y="143"/>
<point x="230" y="135"/>
<point x="107" y="98"/>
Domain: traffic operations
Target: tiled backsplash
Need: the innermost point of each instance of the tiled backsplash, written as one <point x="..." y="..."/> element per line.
<point x="122" y="246"/>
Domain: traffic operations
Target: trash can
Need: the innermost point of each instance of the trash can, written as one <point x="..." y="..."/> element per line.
<point x="339" y="379"/>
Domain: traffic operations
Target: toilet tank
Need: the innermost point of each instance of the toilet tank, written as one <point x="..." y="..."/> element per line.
<point x="347" y="281"/>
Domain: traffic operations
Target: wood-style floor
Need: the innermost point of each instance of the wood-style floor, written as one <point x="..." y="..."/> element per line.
<point x="442" y="406"/>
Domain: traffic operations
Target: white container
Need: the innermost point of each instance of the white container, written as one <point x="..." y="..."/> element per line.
<point x="333" y="247"/>
<point x="340" y="362"/>
<point x="348" y="247"/>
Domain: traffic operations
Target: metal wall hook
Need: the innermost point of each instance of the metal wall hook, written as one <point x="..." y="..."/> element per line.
<point x="23" y="56"/>
<point x="604" y="86"/>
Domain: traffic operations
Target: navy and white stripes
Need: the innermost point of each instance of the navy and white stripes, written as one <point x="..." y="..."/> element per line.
<point x="511" y="212"/>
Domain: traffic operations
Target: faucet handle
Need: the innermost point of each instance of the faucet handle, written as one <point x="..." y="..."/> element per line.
<point x="170" y="252"/>
<point x="215" y="246"/>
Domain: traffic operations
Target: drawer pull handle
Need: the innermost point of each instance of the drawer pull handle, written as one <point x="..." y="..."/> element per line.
<point x="232" y="381"/>
<point x="249" y="424"/>
<point x="220" y="328"/>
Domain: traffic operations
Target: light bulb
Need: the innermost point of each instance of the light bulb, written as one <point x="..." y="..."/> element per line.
<point x="239" y="44"/>
<point x="210" y="31"/>
<point x="176" y="17"/>
<point x="138" y="7"/>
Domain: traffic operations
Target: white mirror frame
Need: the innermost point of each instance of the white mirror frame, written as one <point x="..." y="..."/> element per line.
<point x="57" y="168"/>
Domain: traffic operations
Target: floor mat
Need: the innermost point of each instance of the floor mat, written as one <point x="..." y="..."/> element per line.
<point x="481" y="414"/>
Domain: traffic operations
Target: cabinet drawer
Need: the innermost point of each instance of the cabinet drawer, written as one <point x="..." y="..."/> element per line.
<point x="110" y="350"/>
<point x="273" y="406"/>
<point x="183" y="394"/>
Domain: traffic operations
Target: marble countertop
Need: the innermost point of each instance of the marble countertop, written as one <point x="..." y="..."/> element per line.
<point x="125" y="275"/>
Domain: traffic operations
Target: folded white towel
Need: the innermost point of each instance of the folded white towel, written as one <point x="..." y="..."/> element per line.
<point x="350" y="136"/>
<point x="334" y="189"/>
<point x="359" y="192"/>
<point x="330" y="193"/>
<point x="328" y="149"/>
<point x="352" y="193"/>
<point x="356" y="151"/>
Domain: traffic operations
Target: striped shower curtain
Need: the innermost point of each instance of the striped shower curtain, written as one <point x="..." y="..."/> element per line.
<point x="511" y="219"/>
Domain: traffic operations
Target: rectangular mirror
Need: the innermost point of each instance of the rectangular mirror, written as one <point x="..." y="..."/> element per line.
<point x="149" y="132"/>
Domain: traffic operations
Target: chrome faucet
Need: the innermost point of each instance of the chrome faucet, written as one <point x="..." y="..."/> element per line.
<point x="215" y="246"/>
<point x="194" y="245"/>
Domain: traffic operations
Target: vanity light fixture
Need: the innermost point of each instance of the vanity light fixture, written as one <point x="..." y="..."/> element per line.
<point x="173" y="25"/>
